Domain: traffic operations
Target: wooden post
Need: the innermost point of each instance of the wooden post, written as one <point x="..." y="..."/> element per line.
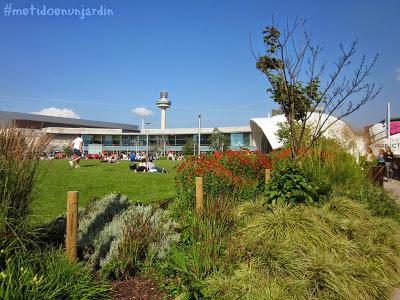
<point x="72" y="226"/>
<point x="267" y="175"/>
<point x="199" y="196"/>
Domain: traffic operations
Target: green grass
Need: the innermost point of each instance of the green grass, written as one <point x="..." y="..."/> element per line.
<point x="95" y="178"/>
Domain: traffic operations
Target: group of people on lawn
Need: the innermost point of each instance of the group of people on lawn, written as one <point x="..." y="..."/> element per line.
<point x="145" y="165"/>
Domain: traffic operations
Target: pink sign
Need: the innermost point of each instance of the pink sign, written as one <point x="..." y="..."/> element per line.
<point x="394" y="127"/>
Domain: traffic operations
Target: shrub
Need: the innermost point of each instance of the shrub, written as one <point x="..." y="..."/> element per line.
<point x="119" y="235"/>
<point x="68" y="151"/>
<point x="48" y="275"/>
<point x="96" y="215"/>
<point x="290" y="184"/>
<point x="239" y="174"/>
<point x="20" y="151"/>
<point x="140" y="233"/>
<point x="338" y="251"/>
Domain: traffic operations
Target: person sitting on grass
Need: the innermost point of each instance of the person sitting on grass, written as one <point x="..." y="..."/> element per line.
<point x="142" y="166"/>
<point x="133" y="167"/>
<point x="153" y="168"/>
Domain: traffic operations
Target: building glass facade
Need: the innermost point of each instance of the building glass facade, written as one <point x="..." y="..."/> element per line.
<point x="136" y="142"/>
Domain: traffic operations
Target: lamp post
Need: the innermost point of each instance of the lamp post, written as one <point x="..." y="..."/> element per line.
<point x="147" y="138"/>
<point x="199" y="135"/>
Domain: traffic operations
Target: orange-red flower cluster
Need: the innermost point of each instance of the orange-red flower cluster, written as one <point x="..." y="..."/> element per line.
<point x="226" y="171"/>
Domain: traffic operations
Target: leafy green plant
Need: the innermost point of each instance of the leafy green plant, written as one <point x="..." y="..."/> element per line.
<point x="289" y="184"/>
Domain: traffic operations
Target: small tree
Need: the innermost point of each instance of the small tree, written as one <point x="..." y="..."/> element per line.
<point x="283" y="133"/>
<point x="67" y="150"/>
<point x="188" y="147"/>
<point x="295" y="77"/>
<point x="218" y="141"/>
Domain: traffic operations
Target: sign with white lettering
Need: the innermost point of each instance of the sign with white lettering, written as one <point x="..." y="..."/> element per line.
<point x="394" y="144"/>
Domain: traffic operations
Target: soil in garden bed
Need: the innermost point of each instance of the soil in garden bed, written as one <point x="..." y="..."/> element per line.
<point x="137" y="288"/>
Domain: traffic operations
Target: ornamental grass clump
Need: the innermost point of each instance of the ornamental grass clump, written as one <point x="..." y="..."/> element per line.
<point x="20" y="151"/>
<point x="329" y="163"/>
<point x="239" y="174"/>
<point x="203" y="244"/>
<point x="48" y="275"/>
<point x="337" y="251"/>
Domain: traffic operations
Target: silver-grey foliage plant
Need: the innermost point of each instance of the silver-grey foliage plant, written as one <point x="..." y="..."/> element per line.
<point x="104" y="224"/>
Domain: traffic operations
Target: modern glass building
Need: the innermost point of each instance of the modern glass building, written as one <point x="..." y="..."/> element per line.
<point x="157" y="140"/>
<point x="106" y="136"/>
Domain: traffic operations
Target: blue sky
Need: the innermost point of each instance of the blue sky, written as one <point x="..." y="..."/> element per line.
<point x="102" y="67"/>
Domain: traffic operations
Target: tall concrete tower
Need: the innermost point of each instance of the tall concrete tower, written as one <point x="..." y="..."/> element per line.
<point x="163" y="104"/>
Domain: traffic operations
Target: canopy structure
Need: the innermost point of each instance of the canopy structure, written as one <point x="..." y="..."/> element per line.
<point x="264" y="131"/>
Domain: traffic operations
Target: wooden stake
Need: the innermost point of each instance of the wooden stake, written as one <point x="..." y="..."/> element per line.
<point x="267" y="175"/>
<point x="72" y="225"/>
<point x="199" y="196"/>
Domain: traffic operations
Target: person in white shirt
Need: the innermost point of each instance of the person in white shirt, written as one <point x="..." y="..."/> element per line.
<point x="77" y="146"/>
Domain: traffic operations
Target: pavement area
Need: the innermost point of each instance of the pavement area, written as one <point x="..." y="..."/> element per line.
<point x="394" y="187"/>
<point x="396" y="295"/>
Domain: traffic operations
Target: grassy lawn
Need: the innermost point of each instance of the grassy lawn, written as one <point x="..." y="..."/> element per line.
<point x="95" y="178"/>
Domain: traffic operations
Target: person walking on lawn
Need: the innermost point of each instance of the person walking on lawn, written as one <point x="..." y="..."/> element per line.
<point x="77" y="146"/>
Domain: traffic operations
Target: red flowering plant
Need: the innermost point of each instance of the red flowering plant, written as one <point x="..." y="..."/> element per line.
<point x="239" y="174"/>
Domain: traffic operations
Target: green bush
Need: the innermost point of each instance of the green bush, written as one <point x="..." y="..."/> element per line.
<point x="290" y="184"/>
<point x="338" y="251"/>
<point x="48" y="275"/>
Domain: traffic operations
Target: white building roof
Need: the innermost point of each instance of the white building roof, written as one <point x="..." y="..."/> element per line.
<point x="264" y="130"/>
<point x="169" y="131"/>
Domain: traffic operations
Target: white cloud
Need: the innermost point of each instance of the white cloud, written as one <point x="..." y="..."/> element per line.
<point x="141" y="111"/>
<point x="398" y="74"/>
<point x="58" y="112"/>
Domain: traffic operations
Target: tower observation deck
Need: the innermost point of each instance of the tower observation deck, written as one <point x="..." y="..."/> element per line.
<point x="163" y="103"/>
